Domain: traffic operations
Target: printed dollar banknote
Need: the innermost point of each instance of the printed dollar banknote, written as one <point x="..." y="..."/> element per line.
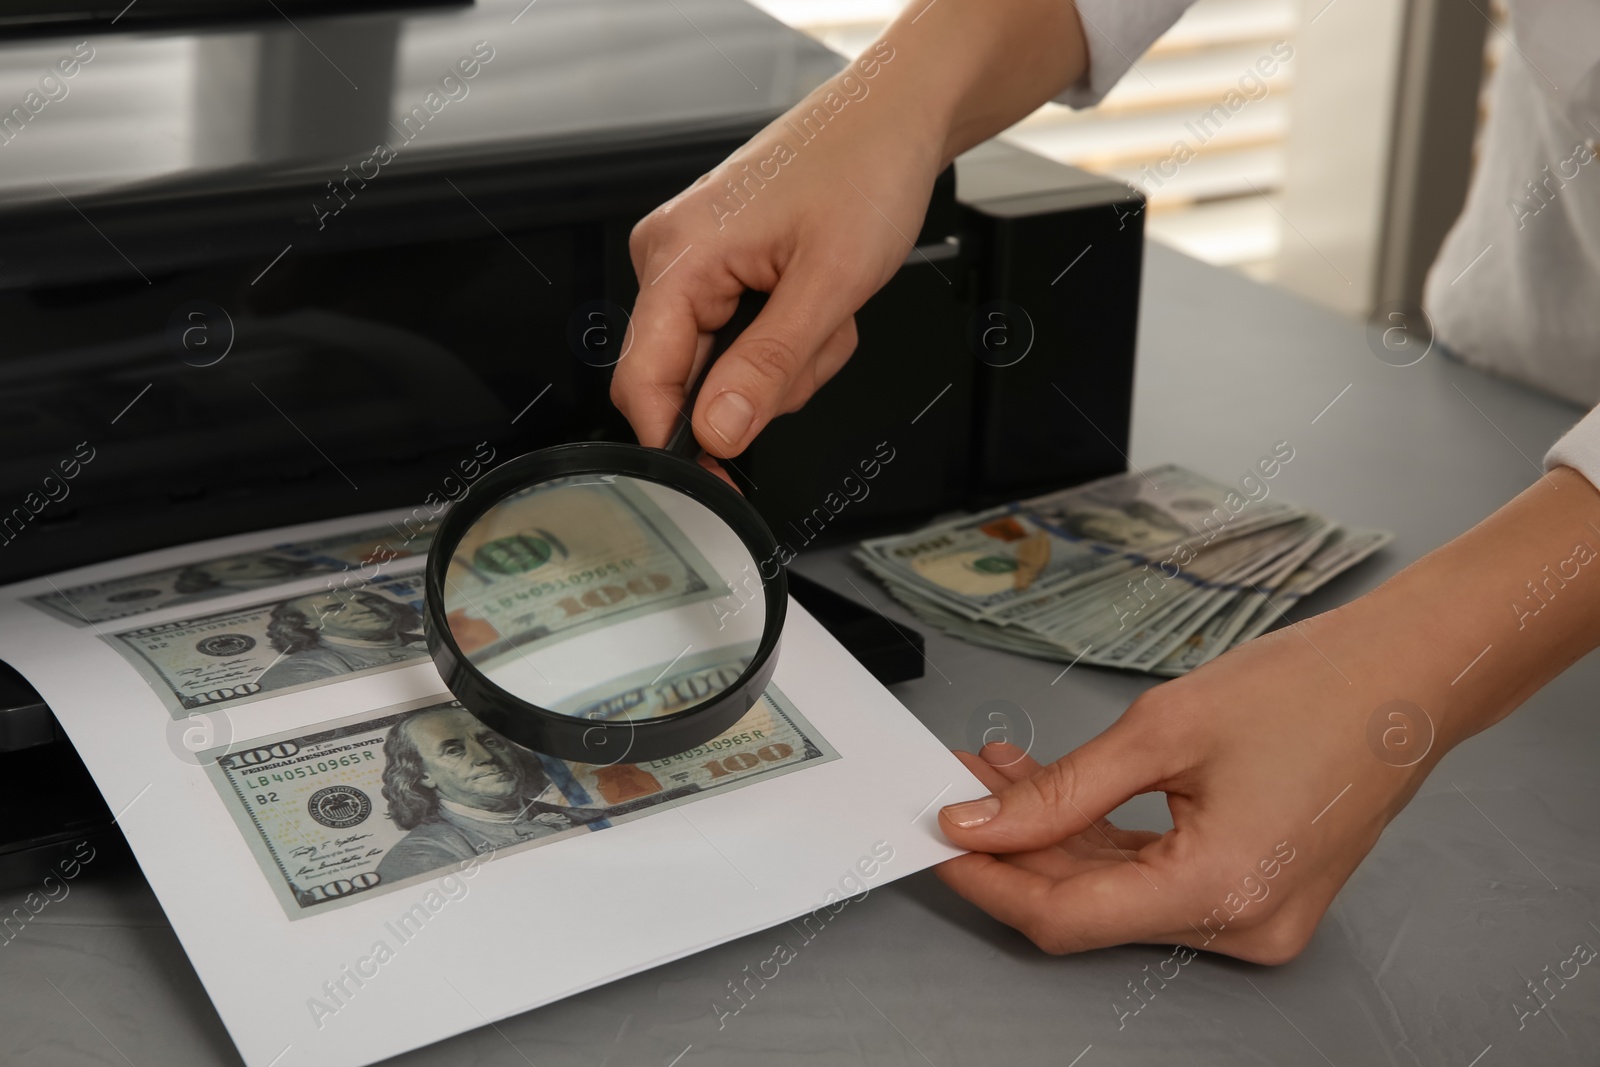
<point x="1023" y="558"/>
<point x="650" y="692"/>
<point x="1158" y="570"/>
<point x="1144" y="510"/>
<point x="278" y="646"/>
<point x="363" y="806"/>
<point x="981" y="565"/>
<point x="1337" y="555"/>
<point x="193" y="583"/>
<point x="564" y="558"/>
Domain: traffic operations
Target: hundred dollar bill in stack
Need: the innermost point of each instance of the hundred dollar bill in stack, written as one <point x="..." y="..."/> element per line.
<point x="1158" y="570"/>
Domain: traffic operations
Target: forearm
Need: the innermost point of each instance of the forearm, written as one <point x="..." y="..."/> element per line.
<point x="989" y="63"/>
<point x="1482" y="623"/>
<point x="963" y="70"/>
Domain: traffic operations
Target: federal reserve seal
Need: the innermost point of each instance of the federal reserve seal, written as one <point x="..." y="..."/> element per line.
<point x="222" y="645"/>
<point x="339" y="806"/>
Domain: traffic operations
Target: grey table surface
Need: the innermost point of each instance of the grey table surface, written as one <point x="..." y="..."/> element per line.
<point x="1488" y="877"/>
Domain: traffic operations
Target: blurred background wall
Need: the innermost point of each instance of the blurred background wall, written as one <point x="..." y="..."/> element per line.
<point x="1337" y="175"/>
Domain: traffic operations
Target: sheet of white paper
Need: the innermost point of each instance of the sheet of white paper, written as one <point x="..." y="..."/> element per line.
<point x="526" y="928"/>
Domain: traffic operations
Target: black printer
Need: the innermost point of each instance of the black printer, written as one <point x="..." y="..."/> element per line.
<point x="255" y="273"/>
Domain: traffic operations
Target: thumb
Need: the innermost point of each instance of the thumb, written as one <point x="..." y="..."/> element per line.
<point x="1061" y="799"/>
<point x="750" y="384"/>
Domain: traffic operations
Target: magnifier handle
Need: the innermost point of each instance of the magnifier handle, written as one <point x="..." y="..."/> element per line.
<point x="682" y="442"/>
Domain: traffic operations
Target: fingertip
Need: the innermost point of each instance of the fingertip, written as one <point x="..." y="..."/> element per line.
<point x="1010" y="894"/>
<point x="652" y="412"/>
<point x="991" y="778"/>
<point x="710" y="463"/>
<point x="1001" y="753"/>
<point x="660" y="350"/>
<point x="964" y="871"/>
<point x="968" y="760"/>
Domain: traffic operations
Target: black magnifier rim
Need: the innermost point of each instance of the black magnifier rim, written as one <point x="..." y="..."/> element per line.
<point x="594" y="741"/>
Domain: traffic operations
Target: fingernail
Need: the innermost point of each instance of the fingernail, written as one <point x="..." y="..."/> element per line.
<point x="729" y="416"/>
<point x="973" y="812"/>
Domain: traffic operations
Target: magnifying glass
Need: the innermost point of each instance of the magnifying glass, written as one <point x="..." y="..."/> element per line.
<point x="604" y="602"/>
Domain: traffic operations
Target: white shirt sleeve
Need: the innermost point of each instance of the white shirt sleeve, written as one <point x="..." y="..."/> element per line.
<point x="1579" y="448"/>
<point x="1118" y="32"/>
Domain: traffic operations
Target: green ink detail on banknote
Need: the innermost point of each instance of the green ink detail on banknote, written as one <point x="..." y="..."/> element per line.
<point x="360" y="807"/>
<point x="566" y="558"/>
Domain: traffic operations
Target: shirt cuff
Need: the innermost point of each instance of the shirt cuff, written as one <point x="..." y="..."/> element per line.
<point x="1579" y="448"/>
<point x="1117" y="33"/>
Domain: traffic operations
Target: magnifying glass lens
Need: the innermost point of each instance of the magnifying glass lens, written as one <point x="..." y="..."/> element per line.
<point x="601" y="602"/>
<point x="606" y="598"/>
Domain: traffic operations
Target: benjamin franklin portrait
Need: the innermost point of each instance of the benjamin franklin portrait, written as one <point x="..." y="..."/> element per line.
<point x="463" y="790"/>
<point x="1136" y="524"/>
<point x="232" y="574"/>
<point x="325" y="635"/>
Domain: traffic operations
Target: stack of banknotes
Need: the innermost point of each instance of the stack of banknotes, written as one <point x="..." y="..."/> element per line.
<point x="1157" y="570"/>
